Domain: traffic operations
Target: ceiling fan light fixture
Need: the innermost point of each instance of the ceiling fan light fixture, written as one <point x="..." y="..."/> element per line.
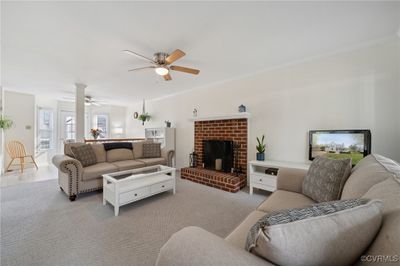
<point x="162" y="71"/>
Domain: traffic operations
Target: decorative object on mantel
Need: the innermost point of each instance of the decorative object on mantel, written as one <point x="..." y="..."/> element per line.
<point x="5" y="123"/>
<point x="242" y="108"/>
<point x="193" y="159"/>
<point x="167" y="123"/>
<point x="135" y="115"/>
<point x="144" y="116"/>
<point x="95" y="132"/>
<point x="194" y="112"/>
<point x="261" y="149"/>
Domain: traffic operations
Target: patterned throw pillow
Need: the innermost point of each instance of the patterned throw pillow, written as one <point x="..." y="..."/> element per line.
<point x="321" y="234"/>
<point x="85" y="154"/>
<point x="151" y="150"/>
<point x="326" y="178"/>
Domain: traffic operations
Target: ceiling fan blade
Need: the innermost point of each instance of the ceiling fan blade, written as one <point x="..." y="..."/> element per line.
<point x="174" y="56"/>
<point x="138" y="55"/>
<point x="167" y="77"/>
<point x="95" y="104"/>
<point x="141" y="68"/>
<point x="185" y="69"/>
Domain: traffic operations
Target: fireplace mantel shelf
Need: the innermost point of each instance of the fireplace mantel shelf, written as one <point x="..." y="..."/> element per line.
<point x="221" y="117"/>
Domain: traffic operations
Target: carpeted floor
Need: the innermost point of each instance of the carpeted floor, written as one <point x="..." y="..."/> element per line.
<point x="40" y="226"/>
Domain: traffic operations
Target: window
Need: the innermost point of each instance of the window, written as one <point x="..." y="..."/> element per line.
<point x="101" y="122"/>
<point x="69" y="127"/>
<point x="45" y="126"/>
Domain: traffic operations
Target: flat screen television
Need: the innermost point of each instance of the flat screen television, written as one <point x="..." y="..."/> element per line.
<point x="354" y="144"/>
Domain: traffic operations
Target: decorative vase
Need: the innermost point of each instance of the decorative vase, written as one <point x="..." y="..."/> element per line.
<point x="260" y="156"/>
<point x="168" y="124"/>
<point x="96" y="137"/>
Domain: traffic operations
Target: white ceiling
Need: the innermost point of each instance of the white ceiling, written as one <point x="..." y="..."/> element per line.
<point x="48" y="46"/>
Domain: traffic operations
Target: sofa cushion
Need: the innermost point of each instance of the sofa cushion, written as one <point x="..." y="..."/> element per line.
<point x="151" y="150"/>
<point x="326" y="178"/>
<point x="84" y="154"/>
<point x="329" y="233"/>
<point x="368" y="172"/>
<point x="128" y="164"/>
<point x="97" y="170"/>
<point x="119" y="155"/>
<point x="100" y="152"/>
<point x="282" y="199"/>
<point x="138" y="148"/>
<point x="238" y="236"/>
<point x="193" y="246"/>
<point x="153" y="161"/>
<point x="67" y="148"/>
<point x="387" y="241"/>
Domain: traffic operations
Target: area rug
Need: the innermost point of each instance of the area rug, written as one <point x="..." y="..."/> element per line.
<point x="40" y="226"/>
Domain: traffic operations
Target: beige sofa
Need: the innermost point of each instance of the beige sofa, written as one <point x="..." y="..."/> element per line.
<point x="75" y="179"/>
<point x="375" y="177"/>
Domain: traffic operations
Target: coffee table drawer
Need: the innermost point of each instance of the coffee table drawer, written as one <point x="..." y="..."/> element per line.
<point x="133" y="195"/>
<point x="162" y="186"/>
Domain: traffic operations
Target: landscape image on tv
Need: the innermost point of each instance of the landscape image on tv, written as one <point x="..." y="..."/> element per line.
<point x="338" y="145"/>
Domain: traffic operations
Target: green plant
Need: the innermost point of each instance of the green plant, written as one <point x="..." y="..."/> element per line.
<point x="260" y="145"/>
<point x="144" y="117"/>
<point x="5" y="123"/>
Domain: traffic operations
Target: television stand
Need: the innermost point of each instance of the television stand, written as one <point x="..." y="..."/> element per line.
<point x="263" y="174"/>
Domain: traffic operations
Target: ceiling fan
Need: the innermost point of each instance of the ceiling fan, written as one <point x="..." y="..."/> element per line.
<point x="162" y="63"/>
<point x="89" y="100"/>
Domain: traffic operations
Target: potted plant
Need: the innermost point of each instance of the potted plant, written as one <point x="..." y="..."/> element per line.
<point x="167" y="123"/>
<point x="144" y="117"/>
<point x="95" y="132"/>
<point x="5" y="123"/>
<point x="260" y="149"/>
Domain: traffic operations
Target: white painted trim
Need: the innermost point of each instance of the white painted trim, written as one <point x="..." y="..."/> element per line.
<point x="222" y="117"/>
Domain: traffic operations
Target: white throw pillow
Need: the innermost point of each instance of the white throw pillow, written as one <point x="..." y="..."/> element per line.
<point x="329" y="233"/>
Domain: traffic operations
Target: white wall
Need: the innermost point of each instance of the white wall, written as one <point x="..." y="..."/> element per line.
<point x="20" y="108"/>
<point x="348" y="90"/>
<point x="1" y="134"/>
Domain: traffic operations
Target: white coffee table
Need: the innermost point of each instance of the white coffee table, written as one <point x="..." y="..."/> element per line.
<point x="125" y="187"/>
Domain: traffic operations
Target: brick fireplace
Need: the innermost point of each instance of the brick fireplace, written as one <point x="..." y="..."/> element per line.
<point x="225" y="129"/>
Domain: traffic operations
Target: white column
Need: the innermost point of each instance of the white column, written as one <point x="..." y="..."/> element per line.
<point x="80" y="111"/>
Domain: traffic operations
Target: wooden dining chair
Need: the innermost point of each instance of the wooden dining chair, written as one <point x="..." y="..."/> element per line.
<point x="16" y="150"/>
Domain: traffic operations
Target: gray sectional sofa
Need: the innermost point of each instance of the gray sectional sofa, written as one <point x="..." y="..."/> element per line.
<point x="375" y="177"/>
<point x="75" y="179"/>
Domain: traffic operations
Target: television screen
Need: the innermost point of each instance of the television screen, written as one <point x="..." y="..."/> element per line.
<point x="354" y="144"/>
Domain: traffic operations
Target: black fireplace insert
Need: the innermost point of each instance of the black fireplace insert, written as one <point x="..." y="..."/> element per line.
<point x="218" y="149"/>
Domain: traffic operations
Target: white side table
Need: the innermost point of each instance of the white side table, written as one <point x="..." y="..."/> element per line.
<point x="259" y="179"/>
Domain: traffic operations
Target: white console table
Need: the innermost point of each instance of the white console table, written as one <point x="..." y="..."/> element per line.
<point x="259" y="179"/>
